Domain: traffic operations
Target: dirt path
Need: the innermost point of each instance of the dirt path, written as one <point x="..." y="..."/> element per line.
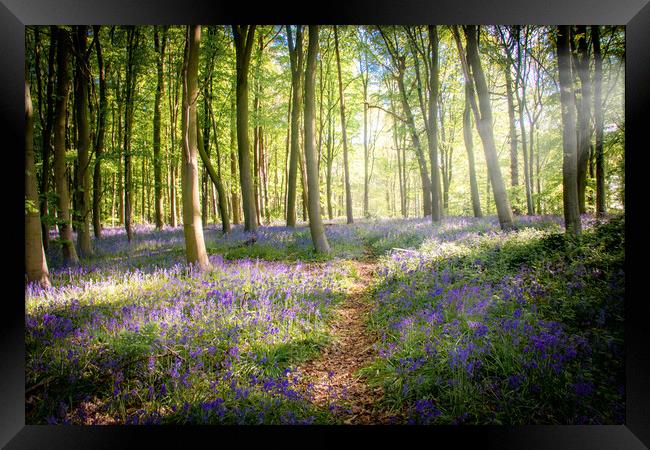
<point x="333" y="373"/>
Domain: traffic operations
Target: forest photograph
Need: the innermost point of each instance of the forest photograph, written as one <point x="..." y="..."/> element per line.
<point x="324" y="224"/>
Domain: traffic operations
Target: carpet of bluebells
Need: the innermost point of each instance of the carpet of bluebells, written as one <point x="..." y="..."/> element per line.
<point x="476" y="325"/>
<point x="484" y="327"/>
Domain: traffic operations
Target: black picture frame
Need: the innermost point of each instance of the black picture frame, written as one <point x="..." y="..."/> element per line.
<point x="635" y="14"/>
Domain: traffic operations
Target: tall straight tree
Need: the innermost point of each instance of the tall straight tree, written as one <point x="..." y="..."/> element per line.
<point x="483" y="118"/>
<point x="569" y="139"/>
<point x="315" y="221"/>
<point x="60" y="179"/>
<point x="159" y="47"/>
<point x="432" y="129"/>
<point x="47" y="138"/>
<point x="234" y="202"/>
<point x="192" y="226"/>
<point x="99" y="136"/>
<point x="584" y="112"/>
<point x="296" y="57"/>
<point x="35" y="262"/>
<point x="129" y="92"/>
<point x="344" y="136"/>
<point x="244" y="36"/>
<point x="82" y="79"/>
<point x="469" y="146"/>
<point x="598" y="120"/>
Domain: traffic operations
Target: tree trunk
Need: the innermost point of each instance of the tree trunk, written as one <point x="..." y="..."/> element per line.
<point x="99" y="142"/>
<point x="243" y="37"/>
<point x="296" y="57"/>
<point x="159" y="46"/>
<point x="514" y="163"/>
<point x="132" y="44"/>
<point x="192" y="226"/>
<point x="569" y="139"/>
<point x="483" y="117"/>
<point x="598" y="121"/>
<point x="35" y="262"/>
<point x="233" y="164"/>
<point x="216" y="179"/>
<point x="82" y="78"/>
<point x="469" y="146"/>
<point x="47" y="136"/>
<point x="60" y="178"/>
<point x="584" y="115"/>
<point x="344" y="137"/>
<point x="315" y="222"/>
<point x="433" y="125"/>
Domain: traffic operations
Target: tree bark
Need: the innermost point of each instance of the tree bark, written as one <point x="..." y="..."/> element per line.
<point x="82" y="78"/>
<point x="99" y="137"/>
<point x="159" y="47"/>
<point x="243" y="37"/>
<point x="233" y="164"/>
<point x="315" y="222"/>
<point x="433" y="125"/>
<point x="584" y="115"/>
<point x="47" y="136"/>
<point x="469" y="146"/>
<point x="132" y="43"/>
<point x="483" y="117"/>
<point x="296" y="57"/>
<point x="598" y="121"/>
<point x="60" y="179"/>
<point x="192" y="226"/>
<point x="569" y="138"/>
<point x="35" y="262"/>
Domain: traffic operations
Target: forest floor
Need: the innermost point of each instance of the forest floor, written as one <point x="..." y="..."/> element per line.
<point x="333" y="375"/>
<point x="403" y="323"/>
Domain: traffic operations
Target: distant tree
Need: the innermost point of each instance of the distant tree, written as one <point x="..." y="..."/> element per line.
<point x="469" y="146"/>
<point x="344" y="137"/>
<point x="192" y="225"/>
<point x="315" y="221"/>
<point x="569" y="139"/>
<point x="35" y="262"/>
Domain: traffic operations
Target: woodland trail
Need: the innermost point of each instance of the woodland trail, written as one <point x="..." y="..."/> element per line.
<point x="332" y="375"/>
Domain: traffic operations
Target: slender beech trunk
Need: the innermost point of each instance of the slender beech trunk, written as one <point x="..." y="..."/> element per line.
<point x="433" y="125"/>
<point x="344" y="137"/>
<point x="47" y="139"/>
<point x="132" y="43"/>
<point x="159" y="46"/>
<point x="469" y="146"/>
<point x="514" y="163"/>
<point x="296" y="59"/>
<point x="99" y="137"/>
<point x="584" y="115"/>
<point x="598" y="121"/>
<point x="569" y="138"/>
<point x="315" y="222"/>
<point x="82" y="78"/>
<point x="215" y="178"/>
<point x="233" y="163"/>
<point x="35" y="262"/>
<point x="483" y="117"/>
<point x="60" y="178"/>
<point x="192" y="227"/>
<point x="244" y="37"/>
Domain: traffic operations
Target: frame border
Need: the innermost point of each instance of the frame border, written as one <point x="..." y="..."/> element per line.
<point x="635" y="14"/>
